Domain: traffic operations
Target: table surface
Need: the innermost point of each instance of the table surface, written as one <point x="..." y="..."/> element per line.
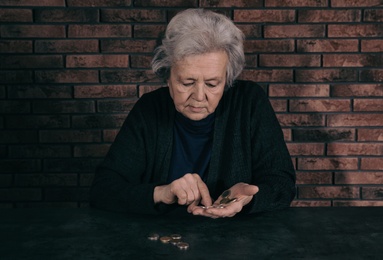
<point x="295" y="233"/>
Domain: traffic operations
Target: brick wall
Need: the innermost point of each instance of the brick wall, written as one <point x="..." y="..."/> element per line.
<point x="71" y="70"/>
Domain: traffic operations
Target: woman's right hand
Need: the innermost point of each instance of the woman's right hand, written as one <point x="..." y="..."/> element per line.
<point x="189" y="189"/>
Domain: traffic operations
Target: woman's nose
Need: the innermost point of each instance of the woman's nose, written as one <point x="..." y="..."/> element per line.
<point x="199" y="92"/>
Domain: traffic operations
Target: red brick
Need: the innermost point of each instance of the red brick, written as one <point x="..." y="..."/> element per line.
<point x="91" y="150"/>
<point x="325" y="45"/>
<point x="86" y="179"/>
<point x="289" y="60"/>
<point x="301" y="119"/>
<point x="296" y="90"/>
<point x="326" y="75"/>
<point x="70" y="136"/>
<point x="370" y="134"/>
<point x="37" y="122"/>
<point x="20" y="194"/>
<point x="14" y="107"/>
<point x="357" y="203"/>
<point x="344" y="120"/>
<point x="16" y="15"/>
<point x="31" y="61"/>
<point x="166" y="3"/>
<point x="33" y="31"/>
<point x="109" y="135"/>
<point x="358" y="178"/>
<point x="368" y="105"/>
<point x="287" y="134"/>
<point x="354" y="149"/>
<point x="66" y="76"/>
<point x="39" y="91"/>
<point x="97" y="61"/>
<point x="127" y="76"/>
<point x="352" y="60"/>
<point x="373" y="15"/>
<point x="305" y="149"/>
<point x="329" y="16"/>
<point x="296" y="3"/>
<point x="314" y="178"/>
<point x="268" y="75"/>
<point x="329" y="192"/>
<point x="132" y="15"/>
<point x="32" y="3"/>
<point x="372" y="192"/>
<point x="113" y="106"/>
<point x="371" y="164"/>
<point x="142" y="89"/>
<point x="251" y="30"/>
<point x="375" y="45"/>
<point x="260" y="16"/>
<point x="99" y="31"/>
<point x="279" y="105"/>
<point x="104" y="91"/>
<point x="15" y="46"/>
<point x="355" y="30"/>
<point x="15" y="76"/>
<point x="148" y="31"/>
<point x="375" y="75"/>
<point x="310" y="203"/>
<point x="355" y="3"/>
<point x="18" y="136"/>
<point x="98" y="121"/>
<point x="71" y="165"/>
<point x="66" y="194"/>
<point x="36" y="180"/>
<point x="66" y="46"/>
<point x="128" y="46"/>
<point x="19" y="165"/>
<point x="39" y="151"/>
<point x="358" y="90"/>
<point x="324" y="135"/>
<point x="251" y="61"/>
<point x="63" y="106"/>
<point x="292" y="31"/>
<point x="259" y="46"/>
<point x="141" y="61"/>
<point x="67" y="15"/>
<point x="231" y="3"/>
<point x="321" y="164"/>
<point x="98" y="3"/>
<point x="320" y="105"/>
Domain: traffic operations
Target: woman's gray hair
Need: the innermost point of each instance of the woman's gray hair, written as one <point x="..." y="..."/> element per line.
<point x="199" y="31"/>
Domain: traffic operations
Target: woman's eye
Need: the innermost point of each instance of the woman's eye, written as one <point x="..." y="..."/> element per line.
<point x="187" y="84"/>
<point x="210" y="85"/>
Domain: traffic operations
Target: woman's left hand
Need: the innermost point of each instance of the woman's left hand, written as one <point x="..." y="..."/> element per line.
<point x="243" y="193"/>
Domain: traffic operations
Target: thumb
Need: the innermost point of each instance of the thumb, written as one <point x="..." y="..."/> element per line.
<point x="250" y="190"/>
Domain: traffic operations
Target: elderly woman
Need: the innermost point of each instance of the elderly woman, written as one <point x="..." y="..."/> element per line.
<point x="206" y="142"/>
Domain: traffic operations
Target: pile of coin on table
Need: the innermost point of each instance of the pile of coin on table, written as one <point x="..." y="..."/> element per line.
<point x="174" y="239"/>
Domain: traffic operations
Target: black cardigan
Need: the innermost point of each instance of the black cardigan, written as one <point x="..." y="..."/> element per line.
<point x="248" y="146"/>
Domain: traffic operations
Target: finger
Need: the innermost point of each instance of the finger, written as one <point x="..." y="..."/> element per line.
<point x="204" y="193"/>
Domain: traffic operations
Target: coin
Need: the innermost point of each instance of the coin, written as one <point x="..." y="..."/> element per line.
<point x="175" y="236"/>
<point x="153" y="236"/>
<point x="183" y="245"/>
<point x="226" y="194"/>
<point x="175" y="241"/>
<point x="165" y="239"/>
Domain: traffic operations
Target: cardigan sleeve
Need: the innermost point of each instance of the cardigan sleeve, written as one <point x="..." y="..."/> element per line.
<point x="272" y="168"/>
<point x="122" y="182"/>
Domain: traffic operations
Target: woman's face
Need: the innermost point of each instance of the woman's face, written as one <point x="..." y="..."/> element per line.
<point x="197" y="83"/>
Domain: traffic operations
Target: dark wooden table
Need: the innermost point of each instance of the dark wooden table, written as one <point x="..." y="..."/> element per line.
<point x="295" y="233"/>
